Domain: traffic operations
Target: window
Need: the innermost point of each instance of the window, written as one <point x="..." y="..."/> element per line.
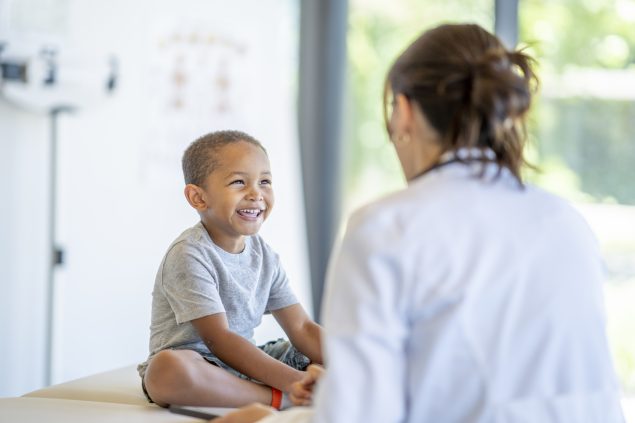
<point x="582" y="136"/>
<point x="378" y="31"/>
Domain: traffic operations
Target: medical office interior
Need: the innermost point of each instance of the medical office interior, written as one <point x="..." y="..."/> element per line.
<point x="98" y="100"/>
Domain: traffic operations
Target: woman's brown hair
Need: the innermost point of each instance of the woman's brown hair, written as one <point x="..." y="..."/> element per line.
<point x="472" y="90"/>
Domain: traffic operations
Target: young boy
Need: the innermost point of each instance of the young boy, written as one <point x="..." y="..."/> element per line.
<point x="214" y="284"/>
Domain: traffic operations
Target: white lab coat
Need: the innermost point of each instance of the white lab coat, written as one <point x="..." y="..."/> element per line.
<point x="463" y="300"/>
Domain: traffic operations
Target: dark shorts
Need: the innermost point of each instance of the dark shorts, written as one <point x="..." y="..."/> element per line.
<point x="280" y="349"/>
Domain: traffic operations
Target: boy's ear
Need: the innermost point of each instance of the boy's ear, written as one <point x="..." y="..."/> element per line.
<point x="194" y="196"/>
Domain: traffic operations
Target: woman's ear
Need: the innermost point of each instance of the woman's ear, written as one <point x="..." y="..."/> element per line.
<point x="194" y="196"/>
<point x="402" y="116"/>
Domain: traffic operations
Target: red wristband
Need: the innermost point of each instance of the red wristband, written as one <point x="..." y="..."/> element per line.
<point x="276" y="398"/>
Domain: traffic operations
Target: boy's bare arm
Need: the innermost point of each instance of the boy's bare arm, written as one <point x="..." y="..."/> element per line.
<point x="242" y="355"/>
<point x="304" y="333"/>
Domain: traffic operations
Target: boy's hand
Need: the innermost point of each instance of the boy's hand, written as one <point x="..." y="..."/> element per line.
<point x="301" y="392"/>
<point x="248" y="414"/>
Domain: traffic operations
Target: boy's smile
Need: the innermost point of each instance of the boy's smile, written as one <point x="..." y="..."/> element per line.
<point x="237" y="196"/>
<point x="250" y="214"/>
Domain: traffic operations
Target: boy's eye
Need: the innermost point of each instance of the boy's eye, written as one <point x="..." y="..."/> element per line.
<point x="237" y="182"/>
<point x="265" y="182"/>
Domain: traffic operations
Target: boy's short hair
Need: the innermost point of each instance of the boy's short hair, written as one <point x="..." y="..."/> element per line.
<point x="199" y="159"/>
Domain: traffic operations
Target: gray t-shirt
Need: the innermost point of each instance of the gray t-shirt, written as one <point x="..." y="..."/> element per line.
<point x="197" y="278"/>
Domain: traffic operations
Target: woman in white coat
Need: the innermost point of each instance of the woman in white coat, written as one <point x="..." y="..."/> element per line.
<point x="469" y="296"/>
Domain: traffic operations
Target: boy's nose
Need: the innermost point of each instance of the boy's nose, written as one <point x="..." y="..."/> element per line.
<point x="255" y="194"/>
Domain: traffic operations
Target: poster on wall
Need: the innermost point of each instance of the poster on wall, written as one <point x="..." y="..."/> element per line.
<point x="196" y="78"/>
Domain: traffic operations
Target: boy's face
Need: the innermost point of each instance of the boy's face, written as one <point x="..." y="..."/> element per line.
<point x="238" y="195"/>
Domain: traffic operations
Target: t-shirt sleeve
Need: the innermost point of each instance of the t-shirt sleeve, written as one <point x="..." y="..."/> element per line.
<point x="281" y="295"/>
<point x="189" y="284"/>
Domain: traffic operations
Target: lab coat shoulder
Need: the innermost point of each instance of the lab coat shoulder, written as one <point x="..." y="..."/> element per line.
<point x="389" y="217"/>
<point x="367" y="268"/>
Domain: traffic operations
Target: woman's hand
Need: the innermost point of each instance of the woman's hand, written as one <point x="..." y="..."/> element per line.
<point x="301" y="392"/>
<point x="249" y="414"/>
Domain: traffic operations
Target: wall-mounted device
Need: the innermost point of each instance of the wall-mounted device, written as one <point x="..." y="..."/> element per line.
<point x="47" y="80"/>
<point x="46" y="77"/>
<point x="12" y="69"/>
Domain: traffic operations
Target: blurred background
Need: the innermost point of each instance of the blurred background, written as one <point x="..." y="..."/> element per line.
<point x="89" y="164"/>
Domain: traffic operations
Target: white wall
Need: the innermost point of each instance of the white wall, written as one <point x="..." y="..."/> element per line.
<point x="120" y="187"/>
<point x="23" y="245"/>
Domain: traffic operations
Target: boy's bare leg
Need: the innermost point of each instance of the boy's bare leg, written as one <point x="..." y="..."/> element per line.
<point x="183" y="377"/>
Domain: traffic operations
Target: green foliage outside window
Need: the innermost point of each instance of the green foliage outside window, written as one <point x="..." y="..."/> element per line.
<point x="586" y="109"/>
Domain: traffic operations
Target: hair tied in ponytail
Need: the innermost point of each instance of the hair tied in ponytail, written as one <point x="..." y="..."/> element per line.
<point x="494" y="59"/>
<point x="472" y="90"/>
<point x="508" y="124"/>
<point x="454" y="78"/>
